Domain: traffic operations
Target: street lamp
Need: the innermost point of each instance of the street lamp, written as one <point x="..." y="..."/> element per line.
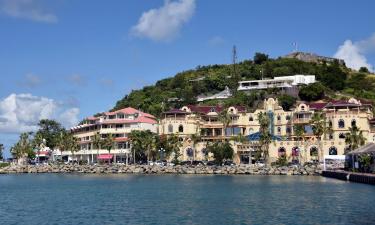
<point x="161" y="153"/>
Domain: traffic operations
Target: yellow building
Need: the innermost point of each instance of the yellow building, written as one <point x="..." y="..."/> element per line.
<point x="205" y="122"/>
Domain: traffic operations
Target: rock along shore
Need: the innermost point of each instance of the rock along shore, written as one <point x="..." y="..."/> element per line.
<point x="147" y="169"/>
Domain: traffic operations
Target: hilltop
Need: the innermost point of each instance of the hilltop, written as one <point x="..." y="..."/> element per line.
<point x="335" y="81"/>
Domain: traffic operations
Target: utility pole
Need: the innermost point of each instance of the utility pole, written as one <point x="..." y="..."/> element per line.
<point x="234" y="60"/>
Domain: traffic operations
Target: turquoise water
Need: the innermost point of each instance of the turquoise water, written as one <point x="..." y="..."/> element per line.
<point x="169" y="199"/>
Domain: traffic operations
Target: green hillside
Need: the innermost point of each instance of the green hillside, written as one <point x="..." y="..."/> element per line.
<point x="335" y="81"/>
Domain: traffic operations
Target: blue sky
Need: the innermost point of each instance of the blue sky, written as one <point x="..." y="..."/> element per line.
<point x="67" y="59"/>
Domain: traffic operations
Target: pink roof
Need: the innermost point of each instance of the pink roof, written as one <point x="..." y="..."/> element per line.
<point x="129" y="110"/>
<point x="105" y="156"/>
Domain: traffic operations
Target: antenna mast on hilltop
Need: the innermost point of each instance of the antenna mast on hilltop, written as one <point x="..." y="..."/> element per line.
<point x="295" y="45"/>
<point x="234" y="60"/>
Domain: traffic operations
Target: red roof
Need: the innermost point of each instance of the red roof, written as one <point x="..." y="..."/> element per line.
<point x="317" y="105"/>
<point x="121" y="139"/>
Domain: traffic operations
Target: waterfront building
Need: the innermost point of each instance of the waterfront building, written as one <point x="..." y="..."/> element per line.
<point x="205" y="121"/>
<point x="119" y="123"/>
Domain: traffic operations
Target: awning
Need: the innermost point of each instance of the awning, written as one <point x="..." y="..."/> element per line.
<point x="256" y="137"/>
<point x="367" y="148"/>
<point x="105" y="156"/>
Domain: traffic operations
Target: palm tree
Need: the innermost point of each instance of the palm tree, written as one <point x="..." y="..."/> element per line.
<point x="354" y="138"/>
<point x="108" y="144"/>
<point x="135" y="137"/>
<point x="1" y="151"/>
<point x="225" y="118"/>
<point x="72" y="143"/>
<point x="299" y="132"/>
<point x="23" y="148"/>
<point x="61" y="142"/>
<point x="97" y="142"/>
<point x="265" y="138"/>
<point x="173" y="145"/>
<point x="195" y="138"/>
<point x="318" y="122"/>
<point x="37" y="143"/>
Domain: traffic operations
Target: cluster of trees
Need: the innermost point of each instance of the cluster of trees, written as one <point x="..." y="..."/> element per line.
<point x="1" y="152"/>
<point x="50" y="134"/>
<point x="150" y="146"/>
<point x="184" y="87"/>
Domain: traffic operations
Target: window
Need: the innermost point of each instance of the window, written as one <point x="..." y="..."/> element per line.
<point x="341" y="123"/>
<point x="181" y="129"/>
<point x="287" y="117"/>
<point x="342" y="136"/>
<point x="170" y="128"/>
<point x="303" y="108"/>
<point x="278" y="129"/>
<point x="288" y="130"/>
<point x="251" y="118"/>
<point x="281" y="151"/>
<point x="278" y="118"/>
<point x="212" y="110"/>
<point x="354" y="123"/>
<point x="373" y="138"/>
<point x="189" y="152"/>
<point x="313" y="151"/>
<point x="332" y="150"/>
<point x="330" y="136"/>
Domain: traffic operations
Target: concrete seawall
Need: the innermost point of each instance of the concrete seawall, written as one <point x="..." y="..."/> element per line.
<point x="349" y="176"/>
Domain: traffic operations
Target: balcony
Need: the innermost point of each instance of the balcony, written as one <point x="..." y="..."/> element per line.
<point x="301" y="120"/>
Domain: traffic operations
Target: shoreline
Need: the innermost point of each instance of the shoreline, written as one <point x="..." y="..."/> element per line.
<point x="178" y="169"/>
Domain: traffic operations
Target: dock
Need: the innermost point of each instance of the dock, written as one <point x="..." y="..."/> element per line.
<point x="365" y="178"/>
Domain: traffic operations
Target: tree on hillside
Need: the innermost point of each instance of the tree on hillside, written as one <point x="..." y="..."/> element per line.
<point x="50" y="131"/>
<point x="260" y="58"/>
<point x="363" y="69"/>
<point x="311" y="92"/>
<point x="286" y="101"/>
<point x="333" y="76"/>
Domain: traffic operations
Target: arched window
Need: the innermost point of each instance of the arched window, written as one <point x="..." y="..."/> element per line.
<point x="295" y="151"/>
<point x="181" y="129"/>
<point x="251" y="130"/>
<point x="313" y="151"/>
<point x="180" y="139"/>
<point x="341" y="123"/>
<point x="189" y="152"/>
<point x="332" y="150"/>
<point x="251" y="118"/>
<point x="287" y="117"/>
<point x="330" y="123"/>
<point x="373" y="138"/>
<point x="278" y="129"/>
<point x="303" y="108"/>
<point x="281" y="151"/>
<point x="170" y="128"/>
<point x="342" y="136"/>
<point x="330" y="136"/>
<point x="278" y="118"/>
<point x="354" y="123"/>
<point x="212" y="109"/>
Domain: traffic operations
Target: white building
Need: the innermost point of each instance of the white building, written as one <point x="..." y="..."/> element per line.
<point x="277" y="82"/>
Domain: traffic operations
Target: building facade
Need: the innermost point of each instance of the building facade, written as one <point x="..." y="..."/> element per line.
<point x="205" y="121"/>
<point x="118" y="123"/>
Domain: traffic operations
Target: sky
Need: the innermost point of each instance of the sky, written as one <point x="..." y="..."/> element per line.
<point x="67" y="59"/>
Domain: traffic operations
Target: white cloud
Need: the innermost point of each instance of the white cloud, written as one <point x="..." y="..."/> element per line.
<point x="353" y="53"/>
<point x="26" y="9"/>
<point x="22" y="112"/>
<point x="164" y="23"/>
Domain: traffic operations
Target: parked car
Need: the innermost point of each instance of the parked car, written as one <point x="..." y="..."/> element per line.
<point x="184" y="163"/>
<point x="229" y="163"/>
<point x="197" y="162"/>
<point x="260" y="163"/>
<point x="211" y="163"/>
